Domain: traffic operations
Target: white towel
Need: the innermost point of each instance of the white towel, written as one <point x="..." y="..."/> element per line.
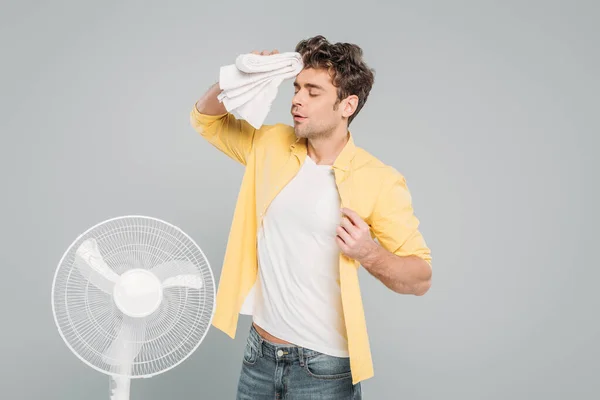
<point x="251" y="84"/>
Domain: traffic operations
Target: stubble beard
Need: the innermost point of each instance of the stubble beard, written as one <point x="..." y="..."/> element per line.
<point x="312" y="133"/>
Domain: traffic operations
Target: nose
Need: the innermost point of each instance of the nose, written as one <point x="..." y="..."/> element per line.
<point x="297" y="99"/>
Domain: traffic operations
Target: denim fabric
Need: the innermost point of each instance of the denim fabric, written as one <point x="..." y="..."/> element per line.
<point x="273" y="371"/>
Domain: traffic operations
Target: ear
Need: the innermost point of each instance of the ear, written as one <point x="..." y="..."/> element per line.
<point x="350" y="104"/>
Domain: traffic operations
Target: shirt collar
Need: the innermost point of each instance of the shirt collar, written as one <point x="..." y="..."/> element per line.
<point x="342" y="162"/>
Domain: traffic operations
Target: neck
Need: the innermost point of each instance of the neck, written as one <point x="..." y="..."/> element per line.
<point x="324" y="150"/>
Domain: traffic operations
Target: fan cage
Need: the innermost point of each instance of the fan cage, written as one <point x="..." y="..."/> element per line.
<point x="89" y="321"/>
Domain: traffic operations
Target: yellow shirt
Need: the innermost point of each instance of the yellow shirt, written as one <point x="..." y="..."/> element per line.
<point x="272" y="155"/>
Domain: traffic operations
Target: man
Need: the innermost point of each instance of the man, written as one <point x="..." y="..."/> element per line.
<point x="311" y="204"/>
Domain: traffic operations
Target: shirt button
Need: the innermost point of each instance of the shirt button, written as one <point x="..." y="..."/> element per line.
<point x="280" y="353"/>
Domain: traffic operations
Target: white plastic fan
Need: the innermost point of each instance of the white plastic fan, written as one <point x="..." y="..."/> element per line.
<point x="133" y="297"/>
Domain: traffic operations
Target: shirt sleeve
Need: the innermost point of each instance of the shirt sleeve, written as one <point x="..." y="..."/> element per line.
<point x="232" y="136"/>
<point x="394" y="223"/>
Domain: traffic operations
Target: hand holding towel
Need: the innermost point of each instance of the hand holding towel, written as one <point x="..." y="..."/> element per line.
<point x="251" y="84"/>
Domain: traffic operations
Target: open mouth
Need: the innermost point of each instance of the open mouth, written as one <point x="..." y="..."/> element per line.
<point x="299" y="118"/>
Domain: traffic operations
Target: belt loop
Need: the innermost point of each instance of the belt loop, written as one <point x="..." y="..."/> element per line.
<point x="260" y="346"/>
<point x="301" y="356"/>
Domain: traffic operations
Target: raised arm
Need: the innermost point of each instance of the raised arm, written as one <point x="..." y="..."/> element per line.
<point x="209" y="104"/>
<point x="232" y="136"/>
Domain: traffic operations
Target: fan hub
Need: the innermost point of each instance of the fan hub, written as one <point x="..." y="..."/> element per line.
<point x="137" y="293"/>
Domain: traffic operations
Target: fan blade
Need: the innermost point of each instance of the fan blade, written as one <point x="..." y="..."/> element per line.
<point x="91" y="265"/>
<point x="173" y="268"/>
<point x="127" y="345"/>
<point x="186" y="280"/>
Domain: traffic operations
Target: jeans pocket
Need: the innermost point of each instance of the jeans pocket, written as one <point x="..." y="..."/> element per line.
<point x="250" y="354"/>
<point x="323" y="366"/>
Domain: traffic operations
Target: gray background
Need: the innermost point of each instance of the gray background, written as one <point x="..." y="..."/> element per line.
<point x="486" y="107"/>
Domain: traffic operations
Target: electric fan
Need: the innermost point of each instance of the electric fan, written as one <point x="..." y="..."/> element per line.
<point x="133" y="297"/>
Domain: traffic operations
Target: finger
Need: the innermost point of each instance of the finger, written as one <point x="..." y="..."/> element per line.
<point x="343" y="234"/>
<point x="264" y="53"/>
<point x="341" y="244"/>
<point x="352" y="216"/>
<point x="275" y="51"/>
<point x="348" y="226"/>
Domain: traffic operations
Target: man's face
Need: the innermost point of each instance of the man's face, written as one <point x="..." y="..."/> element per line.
<point x="314" y="108"/>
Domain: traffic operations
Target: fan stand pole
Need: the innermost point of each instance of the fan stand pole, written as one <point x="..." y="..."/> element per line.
<point x="119" y="388"/>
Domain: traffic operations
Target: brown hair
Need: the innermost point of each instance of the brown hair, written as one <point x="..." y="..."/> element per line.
<point x="344" y="61"/>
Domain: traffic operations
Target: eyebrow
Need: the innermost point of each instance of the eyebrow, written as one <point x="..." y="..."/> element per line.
<point x="309" y="85"/>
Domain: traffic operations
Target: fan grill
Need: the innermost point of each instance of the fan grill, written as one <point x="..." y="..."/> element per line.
<point x="89" y="320"/>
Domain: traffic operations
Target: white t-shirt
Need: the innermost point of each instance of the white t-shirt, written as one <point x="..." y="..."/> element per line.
<point x="297" y="293"/>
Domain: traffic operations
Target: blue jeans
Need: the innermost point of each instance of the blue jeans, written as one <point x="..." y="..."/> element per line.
<point x="273" y="371"/>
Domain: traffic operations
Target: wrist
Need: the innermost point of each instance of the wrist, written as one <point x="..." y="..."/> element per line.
<point x="372" y="257"/>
